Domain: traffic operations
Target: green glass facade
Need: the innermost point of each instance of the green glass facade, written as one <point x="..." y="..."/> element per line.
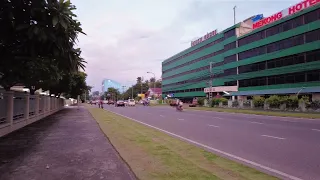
<point x="284" y="54"/>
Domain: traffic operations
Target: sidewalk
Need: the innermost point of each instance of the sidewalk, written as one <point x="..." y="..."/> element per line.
<point x="67" y="145"/>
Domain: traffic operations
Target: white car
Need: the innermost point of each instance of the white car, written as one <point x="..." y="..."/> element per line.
<point x="131" y="102"/>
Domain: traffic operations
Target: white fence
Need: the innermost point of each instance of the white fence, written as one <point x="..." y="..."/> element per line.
<point x="18" y="109"/>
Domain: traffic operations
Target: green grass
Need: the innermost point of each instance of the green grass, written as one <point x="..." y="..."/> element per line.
<point x="260" y="112"/>
<point x="152" y="154"/>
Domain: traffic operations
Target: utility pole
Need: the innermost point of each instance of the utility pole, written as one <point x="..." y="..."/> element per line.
<point x="234" y="14"/>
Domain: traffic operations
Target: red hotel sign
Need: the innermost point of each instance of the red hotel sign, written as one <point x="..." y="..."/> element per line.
<point x="205" y="37"/>
<point x="287" y="12"/>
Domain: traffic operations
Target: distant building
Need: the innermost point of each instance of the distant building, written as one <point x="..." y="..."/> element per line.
<point x="156" y="92"/>
<point x="108" y="83"/>
<point x="276" y="55"/>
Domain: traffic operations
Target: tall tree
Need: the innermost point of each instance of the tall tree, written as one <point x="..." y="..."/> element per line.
<point x="112" y="93"/>
<point x="37" y="42"/>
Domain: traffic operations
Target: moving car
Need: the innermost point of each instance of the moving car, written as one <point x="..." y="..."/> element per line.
<point x="120" y="103"/>
<point x="110" y="102"/>
<point x="131" y="102"/>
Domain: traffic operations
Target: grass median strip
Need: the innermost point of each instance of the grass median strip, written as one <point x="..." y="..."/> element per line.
<point x="259" y="112"/>
<point x="152" y="154"/>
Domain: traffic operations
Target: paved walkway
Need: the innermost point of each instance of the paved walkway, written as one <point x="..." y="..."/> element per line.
<point x="68" y="145"/>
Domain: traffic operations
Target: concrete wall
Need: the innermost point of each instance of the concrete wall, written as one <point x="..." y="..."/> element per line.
<point x="18" y="109"/>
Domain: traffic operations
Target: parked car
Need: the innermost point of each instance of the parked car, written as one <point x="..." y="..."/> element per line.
<point x="131" y="102"/>
<point x="125" y="102"/>
<point x="120" y="103"/>
<point x="105" y="102"/>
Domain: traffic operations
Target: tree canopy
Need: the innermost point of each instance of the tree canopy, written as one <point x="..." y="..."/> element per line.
<point x="37" y="46"/>
<point x="140" y="87"/>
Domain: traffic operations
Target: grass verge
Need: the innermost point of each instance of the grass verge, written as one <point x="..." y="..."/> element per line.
<point x="259" y="112"/>
<point x="152" y="154"/>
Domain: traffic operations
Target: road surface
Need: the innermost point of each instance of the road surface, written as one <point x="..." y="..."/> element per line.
<point x="286" y="147"/>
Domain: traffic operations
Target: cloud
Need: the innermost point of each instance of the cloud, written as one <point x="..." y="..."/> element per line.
<point x="124" y="42"/>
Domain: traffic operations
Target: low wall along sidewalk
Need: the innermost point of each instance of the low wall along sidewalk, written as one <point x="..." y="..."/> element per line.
<point x="18" y="109"/>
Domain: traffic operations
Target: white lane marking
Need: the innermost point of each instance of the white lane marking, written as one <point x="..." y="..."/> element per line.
<point x="213" y="126"/>
<point x="315" y="130"/>
<point x="217" y="118"/>
<point x="287" y="120"/>
<point x="273" y="137"/>
<point x="256" y="123"/>
<point x="161" y="115"/>
<point x="181" y="119"/>
<point x="279" y="173"/>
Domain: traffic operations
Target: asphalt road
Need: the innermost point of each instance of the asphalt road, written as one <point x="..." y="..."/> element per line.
<point x="286" y="147"/>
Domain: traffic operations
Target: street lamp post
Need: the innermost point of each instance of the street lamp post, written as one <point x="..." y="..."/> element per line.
<point x="154" y="83"/>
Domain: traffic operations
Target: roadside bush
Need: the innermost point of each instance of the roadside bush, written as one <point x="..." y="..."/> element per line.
<point x="224" y="101"/>
<point x="313" y="105"/>
<point x="258" y="101"/>
<point x="292" y="102"/>
<point x="201" y="101"/>
<point x="305" y="99"/>
<point x="274" y="101"/>
<point x="216" y="101"/>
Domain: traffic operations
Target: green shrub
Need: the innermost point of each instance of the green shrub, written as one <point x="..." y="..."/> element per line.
<point x="258" y="101"/>
<point x="292" y="102"/>
<point x="313" y="105"/>
<point x="201" y="101"/>
<point x="274" y="101"/>
<point x="305" y="99"/>
<point x="224" y="101"/>
<point x="217" y="101"/>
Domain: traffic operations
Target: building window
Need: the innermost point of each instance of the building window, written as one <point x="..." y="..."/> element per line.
<point x="230" y="46"/>
<point x="229" y="33"/>
<point x="311" y="16"/>
<point x="230" y="59"/>
<point x="229" y="72"/>
<point x="194" y="51"/>
<point x="280" y="45"/>
<point x="281" y="62"/>
<point x="313" y="56"/>
<point x="307" y="76"/>
<point x="231" y="83"/>
<point x="313" y="36"/>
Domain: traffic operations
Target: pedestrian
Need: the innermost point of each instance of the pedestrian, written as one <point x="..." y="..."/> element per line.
<point x="101" y="102"/>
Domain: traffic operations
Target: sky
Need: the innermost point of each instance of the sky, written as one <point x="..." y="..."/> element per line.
<point x="128" y="38"/>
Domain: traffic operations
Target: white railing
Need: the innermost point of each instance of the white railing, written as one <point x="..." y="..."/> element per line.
<point x="18" y="109"/>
